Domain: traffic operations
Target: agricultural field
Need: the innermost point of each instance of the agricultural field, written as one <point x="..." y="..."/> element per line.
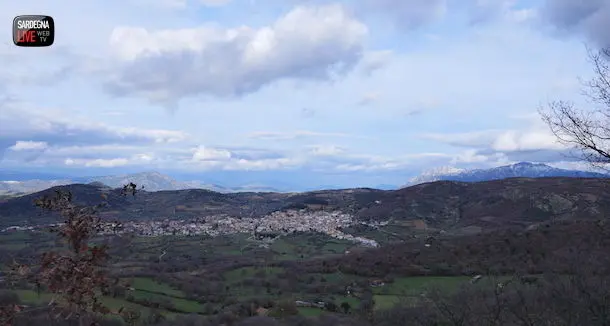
<point x="202" y="275"/>
<point x="180" y="276"/>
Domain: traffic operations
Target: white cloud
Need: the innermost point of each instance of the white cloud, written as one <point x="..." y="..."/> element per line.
<point x="244" y="164"/>
<point x="102" y="163"/>
<point x="209" y="158"/>
<point x="167" y="65"/>
<point x="29" y="145"/>
<point x="473" y="157"/>
<point x="525" y="141"/>
<point x="265" y="164"/>
<point x="377" y="163"/>
<point x="469" y="156"/>
<point x="157" y="135"/>
<point x="78" y="150"/>
<point x="501" y="140"/>
<point x="63" y="126"/>
<point x="248" y="74"/>
<point x="86" y="158"/>
<point x="370" y="167"/>
<point x="202" y="153"/>
<point x="144" y="157"/>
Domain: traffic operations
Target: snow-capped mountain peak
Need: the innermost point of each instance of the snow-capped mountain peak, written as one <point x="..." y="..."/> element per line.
<point x="521" y="169"/>
<point x="443" y="170"/>
<point x="434" y="174"/>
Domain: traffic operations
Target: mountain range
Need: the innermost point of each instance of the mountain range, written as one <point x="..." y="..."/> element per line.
<point x="518" y="170"/>
<point x="445" y="205"/>
<point x="18" y="184"/>
<point x="150" y="181"/>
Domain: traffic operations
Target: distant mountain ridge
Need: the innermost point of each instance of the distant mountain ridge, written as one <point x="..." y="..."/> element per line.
<point x="446" y="205"/>
<point x="12" y="183"/>
<point x="517" y="170"/>
<point x="29" y="186"/>
<point x="151" y="181"/>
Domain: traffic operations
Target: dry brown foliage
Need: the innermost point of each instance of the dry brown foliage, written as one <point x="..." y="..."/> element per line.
<point x="77" y="275"/>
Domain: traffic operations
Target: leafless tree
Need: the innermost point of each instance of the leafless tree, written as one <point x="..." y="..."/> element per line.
<point x="586" y="130"/>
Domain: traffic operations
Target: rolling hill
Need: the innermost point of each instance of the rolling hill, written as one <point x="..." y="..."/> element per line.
<point x="441" y="204"/>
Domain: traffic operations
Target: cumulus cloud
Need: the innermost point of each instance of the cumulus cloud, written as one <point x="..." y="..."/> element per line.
<point x="590" y="17"/>
<point x="315" y="41"/>
<point x="265" y="164"/>
<point x="202" y="153"/>
<point x="54" y="135"/>
<point x="311" y="43"/>
<point x="469" y="156"/>
<point x="323" y="158"/>
<point x="102" y="163"/>
<point x="511" y="141"/>
<point x="211" y="158"/>
<point x="501" y="140"/>
<point x="496" y="147"/>
<point x="21" y="145"/>
<point x="151" y="155"/>
<point x="219" y="160"/>
<point x="541" y="156"/>
<point x="25" y="151"/>
<point x="350" y="162"/>
<point x="54" y="127"/>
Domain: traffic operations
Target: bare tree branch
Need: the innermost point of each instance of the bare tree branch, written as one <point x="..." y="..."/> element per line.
<point x="586" y="130"/>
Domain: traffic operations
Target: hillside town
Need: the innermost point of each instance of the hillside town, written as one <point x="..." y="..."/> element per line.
<point x="275" y="224"/>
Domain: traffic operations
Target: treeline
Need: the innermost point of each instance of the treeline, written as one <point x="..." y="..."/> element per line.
<point x="548" y="247"/>
<point x="569" y="257"/>
<point x="552" y="299"/>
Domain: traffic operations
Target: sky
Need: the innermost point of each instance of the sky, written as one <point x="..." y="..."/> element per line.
<point x="318" y="92"/>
